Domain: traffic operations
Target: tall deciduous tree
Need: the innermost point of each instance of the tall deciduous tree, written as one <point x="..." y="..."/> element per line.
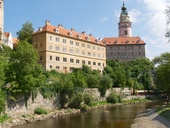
<point x="24" y="73"/>
<point x="25" y="34"/>
<point x="163" y="72"/>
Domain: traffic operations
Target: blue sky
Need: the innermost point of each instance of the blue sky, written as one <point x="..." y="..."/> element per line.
<point x="98" y="17"/>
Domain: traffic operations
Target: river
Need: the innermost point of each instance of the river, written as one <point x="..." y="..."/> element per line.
<point x="110" y="117"/>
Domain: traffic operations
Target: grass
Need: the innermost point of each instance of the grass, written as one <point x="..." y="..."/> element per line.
<point x="4" y="118"/>
<point x="164" y="111"/>
<point x="135" y="100"/>
<point x="99" y="103"/>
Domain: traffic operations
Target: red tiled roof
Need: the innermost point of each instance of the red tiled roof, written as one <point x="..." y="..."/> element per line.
<point x="15" y="41"/>
<point x="69" y="33"/>
<point x="122" y="40"/>
<point x="6" y="34"/>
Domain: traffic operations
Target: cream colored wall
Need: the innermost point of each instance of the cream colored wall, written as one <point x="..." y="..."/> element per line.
<point x="49" y="49"/>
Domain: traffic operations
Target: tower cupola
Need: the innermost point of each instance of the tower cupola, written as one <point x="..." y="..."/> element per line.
<point x="125" y="29"/>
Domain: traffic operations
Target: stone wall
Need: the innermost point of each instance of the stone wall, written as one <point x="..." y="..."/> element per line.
<point x="19" y="107"/>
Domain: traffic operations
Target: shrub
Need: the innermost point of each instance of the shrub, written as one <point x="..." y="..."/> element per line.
<point x="3" y="118"/>
<point x="76" y="101"/>
<point x="40" y="110"/>
<point x="112" y="98"/>
<point x="88" y="99"/>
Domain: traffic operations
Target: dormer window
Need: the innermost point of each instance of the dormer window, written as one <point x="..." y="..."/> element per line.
<point x="57" y="30"/>
<point x="127" y="42"/>
<point x="88" y="38"/>
<point x="138" y="41"/>
<point x="70" y="33"/>
<point x="79" y="36"/>
<point x="115" y="42"/>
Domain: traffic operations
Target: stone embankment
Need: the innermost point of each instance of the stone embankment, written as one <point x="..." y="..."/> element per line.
<point x="24" y="119"/>
<point x="150" y="119"/>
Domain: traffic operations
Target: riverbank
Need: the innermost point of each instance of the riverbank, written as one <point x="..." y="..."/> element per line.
<point x="24" y="119"/>
<point x="151" y="119"/>
<point x="29" y="118"/>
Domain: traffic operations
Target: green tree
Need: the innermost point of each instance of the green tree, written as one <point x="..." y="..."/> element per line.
<point x="25" y="34"/>
<point x="24" y="73"/>
<point x="4" y="57"/>
<point x="105" y="83"/>
<point x="163" y="72"/>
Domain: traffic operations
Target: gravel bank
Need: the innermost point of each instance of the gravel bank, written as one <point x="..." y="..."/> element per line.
<point x="150" y="119"/>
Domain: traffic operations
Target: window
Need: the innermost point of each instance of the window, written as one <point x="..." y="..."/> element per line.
<point x="64" y="41"/>
<point x="71" y="60"/>
<point x="57" y="39"/>
<point x="71" y="42"/>
<point x="57" y="48"/>
<point x="51" y="38"/>
<point x="77" y="51"/>
<point x="57" y="67"/>
<point x="126" y="32"/>
<point x="93" y="47"/>
<point x="98" y="48"/>
<point x="71" y="68"/>
<point x="71" y="50"/>
<point x="64" y="59"/>
<point x="83" y="62"/>
<point x="64" y="49"/>
<point x="83" y="45"/>
<point x="99" y="64"/>
<point x="88" y="46"/>
<point x="94" y="54"/>
<point x="51" y="66"/>
<point x="94" y="63"/>
<point x="51" y="57"/>
<point x="51" y="47"/>
<point x="83" y="52"/>
<point x="40" y="57"/>
<point x="57" y="58"/>
<point x="77" y="43"/>
<point x="89" y="62"/>
<point x="89" y="53"/>
<point x="77" y="61"/>
<point x="41" y="44"/>
<point x="99" y="55"/>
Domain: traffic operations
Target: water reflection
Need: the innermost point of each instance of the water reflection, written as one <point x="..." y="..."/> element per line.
<point x="112" y="117"/>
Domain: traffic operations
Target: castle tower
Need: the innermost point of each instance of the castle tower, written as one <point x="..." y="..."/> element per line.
<point x="125" y="29"/>
<point x="1" y="20"/>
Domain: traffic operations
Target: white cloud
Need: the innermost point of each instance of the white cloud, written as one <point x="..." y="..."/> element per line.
<point x="103" y="19"/>
<point x="134" y="15"/>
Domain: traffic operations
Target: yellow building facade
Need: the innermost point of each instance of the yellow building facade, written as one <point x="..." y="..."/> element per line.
<point x="62" y="50"/>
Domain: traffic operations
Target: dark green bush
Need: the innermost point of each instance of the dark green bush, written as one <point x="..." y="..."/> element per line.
<point x="112" y="98"/>
<point x="40" y="110"/>
<point x="88" y="99"/>
<point x="3" y="118"/>
<point x="76" y="101"/>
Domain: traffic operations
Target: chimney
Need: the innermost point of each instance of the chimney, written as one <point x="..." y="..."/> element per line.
<point x="47" y="22"/>
<point x="72" y="29"/>
<point x="84" y="33"/>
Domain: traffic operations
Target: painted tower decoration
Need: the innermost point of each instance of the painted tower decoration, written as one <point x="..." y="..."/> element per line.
<point x="1" y="20"/>
<point x="125" y="29"/>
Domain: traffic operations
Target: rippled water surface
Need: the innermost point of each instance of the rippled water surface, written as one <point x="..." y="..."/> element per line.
<point x="111" y="117"/>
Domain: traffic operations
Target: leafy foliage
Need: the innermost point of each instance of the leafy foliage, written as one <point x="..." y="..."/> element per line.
<point x="163" y="72"/>
<point x="40" y="110"/>
<point x="112" y="98"/>
<point x="24" y="74"/>
<point x="25" y="34"/>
